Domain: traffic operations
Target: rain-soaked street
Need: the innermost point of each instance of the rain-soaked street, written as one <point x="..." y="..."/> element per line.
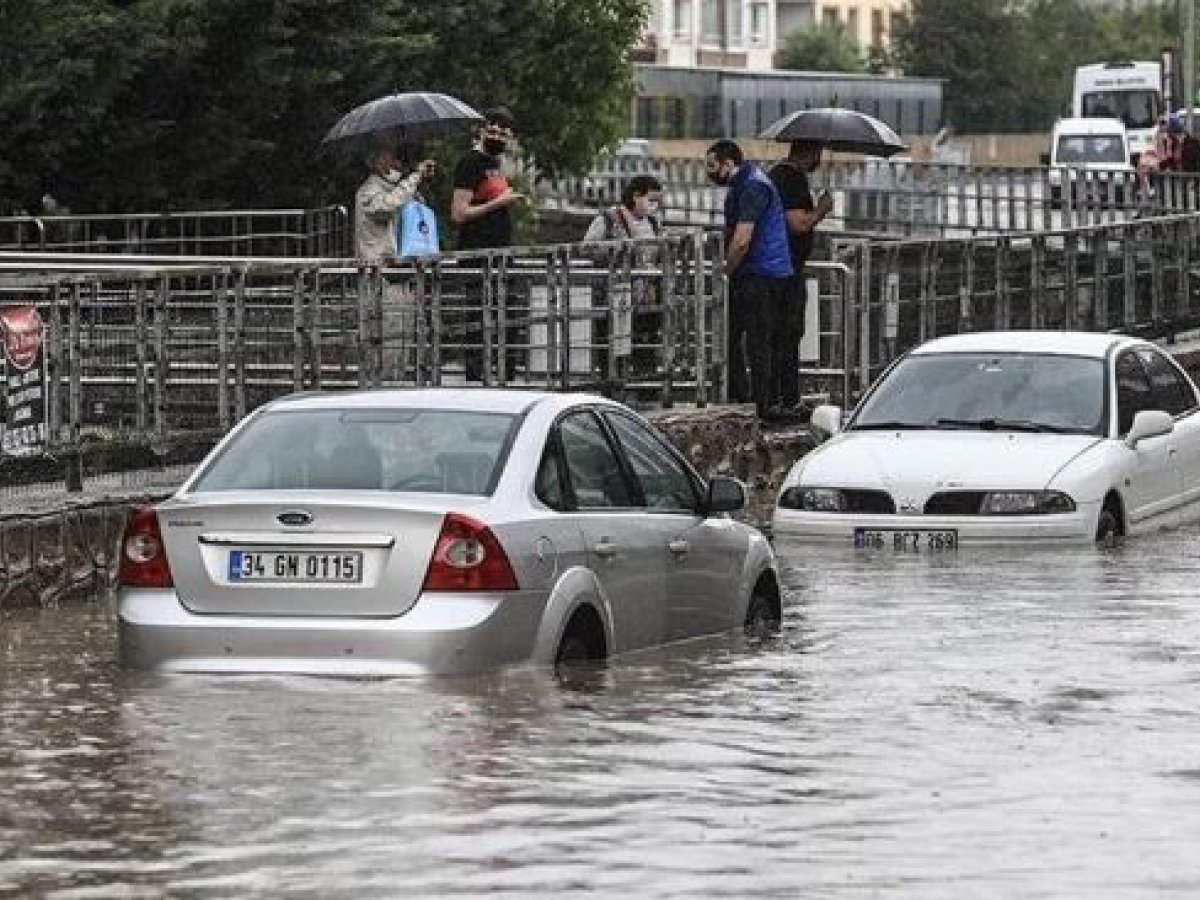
<point x="987" y="724"/>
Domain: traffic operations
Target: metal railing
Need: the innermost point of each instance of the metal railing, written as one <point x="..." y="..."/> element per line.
<point x="151" y="351"/>
<point x="321" y="232"/>
<point x="1135" y="277"/>
<point x="906" y="198"/>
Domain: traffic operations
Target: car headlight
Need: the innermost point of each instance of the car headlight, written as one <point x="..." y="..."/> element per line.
<point x="813" y="499"/>
<point x="1025" y="503"/>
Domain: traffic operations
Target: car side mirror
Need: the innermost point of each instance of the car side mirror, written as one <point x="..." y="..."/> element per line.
<point x="827" y="418"/>
<point x="1044" y="159"/>
<point x="724" y="495"/>
<point x="1149" y="423"/>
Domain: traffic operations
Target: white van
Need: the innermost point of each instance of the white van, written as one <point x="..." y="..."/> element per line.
<point x="1092" y="155"/>
<point x="1129" y="91"/>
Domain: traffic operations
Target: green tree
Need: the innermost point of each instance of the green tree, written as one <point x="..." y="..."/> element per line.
<point x="121" y="105"/>
<point x="823" y="48"/>
<point x="976" y="45"/>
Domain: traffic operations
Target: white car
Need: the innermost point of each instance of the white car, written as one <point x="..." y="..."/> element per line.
<point x="1007" y="437"/>
<point x="437" y="532"/>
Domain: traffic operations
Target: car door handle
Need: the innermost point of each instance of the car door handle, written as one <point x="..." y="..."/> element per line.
<point x="679" y="548"/>
<point x="606" y="549"/>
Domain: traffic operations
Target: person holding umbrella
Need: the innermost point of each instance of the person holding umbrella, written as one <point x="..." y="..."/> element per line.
<point x="759" y="267"/>
<point x="384" y="191"/>
<point x="790" y="176"/>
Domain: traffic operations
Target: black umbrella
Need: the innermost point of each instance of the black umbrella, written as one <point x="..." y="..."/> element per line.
<point x="838" y="129"/>
<point x="404" y="118"/>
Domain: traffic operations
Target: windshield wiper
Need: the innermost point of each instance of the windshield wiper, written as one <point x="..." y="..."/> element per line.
<point x="993" y="424"/>
<point x="889" y="426"/>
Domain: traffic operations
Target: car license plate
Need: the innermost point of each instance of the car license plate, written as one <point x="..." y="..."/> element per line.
<point x="310" y="566"/>
<point x="906" y="540"/>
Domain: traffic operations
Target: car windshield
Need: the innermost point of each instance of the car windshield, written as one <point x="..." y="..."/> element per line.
<point x="431" y="451"/>
<point x="1137" y="109"/>
<point x="989" y="391"/>
<point x="1094" y="148"/>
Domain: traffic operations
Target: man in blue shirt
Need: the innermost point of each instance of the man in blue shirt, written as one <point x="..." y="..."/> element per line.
<point x="759" y="267"/>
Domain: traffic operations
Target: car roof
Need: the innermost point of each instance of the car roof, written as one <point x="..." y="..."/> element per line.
<point x="495" y="400"/>
<point x="1095" y="344"/>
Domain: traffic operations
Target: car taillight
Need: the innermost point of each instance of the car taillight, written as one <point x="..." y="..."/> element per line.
<point x="143" y="557"/>
<point x="467" y="557"/>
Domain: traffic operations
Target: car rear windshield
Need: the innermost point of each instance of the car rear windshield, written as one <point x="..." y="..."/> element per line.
<point x="429" y="451"/>
<point x="1023" y="390"/>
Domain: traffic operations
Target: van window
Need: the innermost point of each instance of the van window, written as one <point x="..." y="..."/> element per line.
<point x="1137" y="109"/>
<point x="1089" y="148"/>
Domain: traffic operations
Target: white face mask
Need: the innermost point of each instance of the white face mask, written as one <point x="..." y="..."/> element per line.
<point x="647" y="207"/>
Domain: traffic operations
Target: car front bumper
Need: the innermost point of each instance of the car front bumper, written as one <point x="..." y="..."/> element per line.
<point x="442" y="634"/>
<point x="1077" y="527"/>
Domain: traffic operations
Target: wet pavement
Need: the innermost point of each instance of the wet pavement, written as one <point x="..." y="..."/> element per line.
<point x="986" y="724"/>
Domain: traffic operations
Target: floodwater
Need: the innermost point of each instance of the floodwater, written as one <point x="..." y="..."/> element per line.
<point x="984" y="724"/>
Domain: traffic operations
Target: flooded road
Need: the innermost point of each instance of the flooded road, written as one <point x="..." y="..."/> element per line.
<point x="990" y="724"/>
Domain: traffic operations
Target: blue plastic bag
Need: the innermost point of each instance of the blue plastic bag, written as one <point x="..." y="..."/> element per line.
<point x="416" y="231"/>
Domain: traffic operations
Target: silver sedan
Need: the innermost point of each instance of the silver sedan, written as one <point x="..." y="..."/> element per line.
<point x="437" y="532"/>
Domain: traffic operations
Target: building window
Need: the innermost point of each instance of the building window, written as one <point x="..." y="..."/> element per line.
<point x="759" y="17"/>
<point x="710" y="21"/>
<point x="852" y="24"/>
<point x="733" y="23"/>
<point x="877" y="31"/>
<point x="829" y="17"/>
<point x="681" y="18"/>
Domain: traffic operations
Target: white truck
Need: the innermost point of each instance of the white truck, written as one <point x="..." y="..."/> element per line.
<point x="1129" y="91"/>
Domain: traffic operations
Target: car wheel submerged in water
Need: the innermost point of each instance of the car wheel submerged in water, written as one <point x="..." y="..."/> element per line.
<point x="764" y="614"/>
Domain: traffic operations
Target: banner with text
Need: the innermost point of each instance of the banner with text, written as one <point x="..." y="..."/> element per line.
<point x="23" y="431"/>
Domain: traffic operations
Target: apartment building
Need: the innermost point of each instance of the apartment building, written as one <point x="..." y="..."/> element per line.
<point x="870" y="22"/>
<point x="744" y="34"/>
<point x="737" y="34"/>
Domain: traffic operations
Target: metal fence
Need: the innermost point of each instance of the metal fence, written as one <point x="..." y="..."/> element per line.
<point x="322" y="232"/>
<point x="152" y="352"/>
<point x="1136" y="277"/>
<point x="906" y="198"/>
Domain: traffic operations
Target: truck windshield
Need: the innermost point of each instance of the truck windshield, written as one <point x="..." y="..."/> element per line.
<point x="1089" y="148"/>
<point x="1137" y="109"/>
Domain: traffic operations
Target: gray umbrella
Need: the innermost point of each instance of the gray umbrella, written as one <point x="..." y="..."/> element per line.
<point x="838" y="129"/>
<point x="404" y="118"/>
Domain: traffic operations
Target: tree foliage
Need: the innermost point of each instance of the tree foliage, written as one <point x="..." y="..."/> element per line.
<point x="1008" y="64"/>
<point x="122" y="105"/>
<point x="822" y="48"/>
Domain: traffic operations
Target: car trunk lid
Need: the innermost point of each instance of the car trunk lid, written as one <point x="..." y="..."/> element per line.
<point x="236" y="556"/>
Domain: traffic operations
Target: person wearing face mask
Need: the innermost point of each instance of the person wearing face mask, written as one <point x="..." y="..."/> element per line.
<point x="803" y="214"/>
<point x="481" y="210"/>
<point x="384" y="191"/>
<point x="481" y="205"/>
<point x="759" y="268"/>
<point x="636" y="216"/>
<point x="628" y="300"/>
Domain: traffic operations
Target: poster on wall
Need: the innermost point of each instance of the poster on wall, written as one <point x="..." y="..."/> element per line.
<point x="23" y="431"/>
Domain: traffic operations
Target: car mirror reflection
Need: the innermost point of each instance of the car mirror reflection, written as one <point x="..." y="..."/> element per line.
<point x="725" y="495"/>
